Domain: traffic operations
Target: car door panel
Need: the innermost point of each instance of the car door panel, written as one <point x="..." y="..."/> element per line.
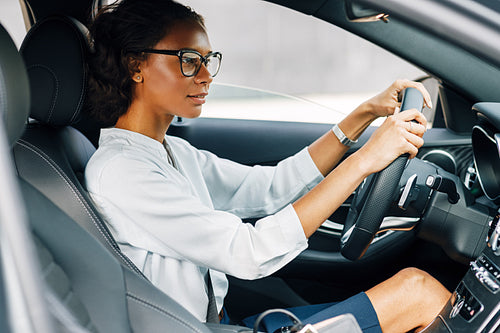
<point x="248" y="142"/>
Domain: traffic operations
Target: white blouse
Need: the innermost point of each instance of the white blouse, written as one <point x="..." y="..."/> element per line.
<point x="176" y="223"/>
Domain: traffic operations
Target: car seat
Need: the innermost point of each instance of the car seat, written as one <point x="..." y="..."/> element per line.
<point x="99" y="291"/>
<point x="51" y="155"/>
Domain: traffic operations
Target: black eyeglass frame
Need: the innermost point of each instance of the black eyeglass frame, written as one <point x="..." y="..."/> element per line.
<point x="180" y="53"/>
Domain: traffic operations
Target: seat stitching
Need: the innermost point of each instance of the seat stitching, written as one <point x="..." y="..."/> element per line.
<point x="161" y="310"/>
<point x="33" y="149"/>
<point x="82" y="92"/>
<point x="54" y="99"/>
<point x="83" y="203"/>
<point x="54" y="166"/>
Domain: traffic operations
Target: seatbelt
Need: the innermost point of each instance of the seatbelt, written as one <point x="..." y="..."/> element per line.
<point x="170" y="155"/>
<point x="212" y="314"/>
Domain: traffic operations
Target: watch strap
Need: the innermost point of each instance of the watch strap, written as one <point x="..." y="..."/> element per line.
<point x="342" y="137"/>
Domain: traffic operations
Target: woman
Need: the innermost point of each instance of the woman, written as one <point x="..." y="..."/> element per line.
<point x="176" y="211"/>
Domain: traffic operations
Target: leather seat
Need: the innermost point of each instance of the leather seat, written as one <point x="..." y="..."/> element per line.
<point x="51" y="155"/>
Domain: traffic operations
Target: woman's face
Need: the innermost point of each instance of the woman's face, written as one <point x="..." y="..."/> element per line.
<point x="164" y="90"/>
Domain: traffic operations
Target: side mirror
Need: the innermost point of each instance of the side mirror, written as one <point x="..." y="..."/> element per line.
<point x="359" y="13"/>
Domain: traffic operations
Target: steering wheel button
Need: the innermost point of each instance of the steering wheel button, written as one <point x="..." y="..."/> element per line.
<point x="430" y="181"/>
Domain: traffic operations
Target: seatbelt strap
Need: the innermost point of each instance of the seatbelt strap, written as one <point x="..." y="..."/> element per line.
<point x="170" y="155"/>
<point x="212" y="314"/>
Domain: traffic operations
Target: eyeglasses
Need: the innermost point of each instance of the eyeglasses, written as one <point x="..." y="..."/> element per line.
<point x="191" y="60"/>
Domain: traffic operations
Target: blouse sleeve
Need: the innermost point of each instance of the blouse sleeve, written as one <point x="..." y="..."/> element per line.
<point x="157" y="211"/>
<point x="259" y="190"/>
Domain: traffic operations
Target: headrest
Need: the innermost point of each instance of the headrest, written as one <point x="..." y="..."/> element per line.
<point x="55" y="52"/>
<point x="14" y="88"/>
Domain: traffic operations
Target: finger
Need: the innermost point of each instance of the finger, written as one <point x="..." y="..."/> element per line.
<point x="420" y="87"/>
<point x="413" y="151"/>
<point x="415" y="128"/>
<point x="404" y="83"/>
<point x="412" y="144"/>
<point x="415" y="140"/>
<point x="412" y="114"/>
<point x="397" y="108"/>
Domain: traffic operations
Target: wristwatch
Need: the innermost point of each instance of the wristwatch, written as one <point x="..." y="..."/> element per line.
<point x="342" y="137"/>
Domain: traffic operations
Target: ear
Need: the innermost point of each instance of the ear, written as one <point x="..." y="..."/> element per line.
<point x="134" y="66"/>
<point x="137" y="77"/>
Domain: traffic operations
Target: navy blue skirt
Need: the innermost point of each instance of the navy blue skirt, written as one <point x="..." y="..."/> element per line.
<point x="358" y="305"/>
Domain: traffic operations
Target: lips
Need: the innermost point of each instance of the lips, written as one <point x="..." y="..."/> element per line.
<point x="198" y="98"/>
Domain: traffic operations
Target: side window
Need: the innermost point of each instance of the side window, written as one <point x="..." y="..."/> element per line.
<point x="271" y="53"/>
<point x="12" y="20"/>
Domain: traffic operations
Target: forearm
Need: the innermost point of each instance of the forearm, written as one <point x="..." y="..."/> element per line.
<point x="316" y="206"/>
<point x="327" y="151"/>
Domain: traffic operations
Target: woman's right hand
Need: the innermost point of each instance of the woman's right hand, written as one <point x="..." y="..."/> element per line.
<point x="396" y="136"/>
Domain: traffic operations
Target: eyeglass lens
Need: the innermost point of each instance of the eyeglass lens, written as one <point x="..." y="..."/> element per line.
<point x="191" y="62"/>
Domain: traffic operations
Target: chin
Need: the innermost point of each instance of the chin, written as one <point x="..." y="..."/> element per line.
<point x="193" y="114"/>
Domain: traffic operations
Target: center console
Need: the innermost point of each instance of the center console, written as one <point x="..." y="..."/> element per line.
<point x="475" y="303"/>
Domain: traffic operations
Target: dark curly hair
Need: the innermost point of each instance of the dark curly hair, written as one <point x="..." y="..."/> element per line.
<point x="117" y="30"/>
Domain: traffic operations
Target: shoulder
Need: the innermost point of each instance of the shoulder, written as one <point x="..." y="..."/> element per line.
<point x="113" y="164"/>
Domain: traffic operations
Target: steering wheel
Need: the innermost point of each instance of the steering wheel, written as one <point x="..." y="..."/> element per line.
<point x="374" y="196"/>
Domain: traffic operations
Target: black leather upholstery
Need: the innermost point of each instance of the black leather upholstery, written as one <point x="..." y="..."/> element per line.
<point x="51" y="155"/>
<point x="54" y="52"/>
<point x="14" y="89"/>
<point x="116" y="299"/>
<point x="41" y="159"/>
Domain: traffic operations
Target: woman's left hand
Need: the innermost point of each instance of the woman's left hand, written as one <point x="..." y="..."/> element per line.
<point x="385" y="103"/>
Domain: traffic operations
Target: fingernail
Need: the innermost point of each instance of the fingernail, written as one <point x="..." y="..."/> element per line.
<point x="429" y="103"/>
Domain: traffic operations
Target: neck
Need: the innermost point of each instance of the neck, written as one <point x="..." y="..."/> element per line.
<point x="147" y="123"/>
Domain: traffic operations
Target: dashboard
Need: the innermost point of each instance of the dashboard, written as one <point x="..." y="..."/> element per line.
<point x="475" y="303"/>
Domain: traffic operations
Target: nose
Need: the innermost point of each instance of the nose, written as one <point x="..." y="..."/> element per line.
<point x="203" y="75"/>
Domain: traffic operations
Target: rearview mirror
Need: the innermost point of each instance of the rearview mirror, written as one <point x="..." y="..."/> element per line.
<point x="359" y="13"/>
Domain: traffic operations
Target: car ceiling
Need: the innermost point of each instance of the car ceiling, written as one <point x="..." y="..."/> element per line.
<point x="477" y="78"/>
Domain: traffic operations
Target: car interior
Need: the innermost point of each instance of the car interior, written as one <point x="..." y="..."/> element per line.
<point x="69" y="274"/>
